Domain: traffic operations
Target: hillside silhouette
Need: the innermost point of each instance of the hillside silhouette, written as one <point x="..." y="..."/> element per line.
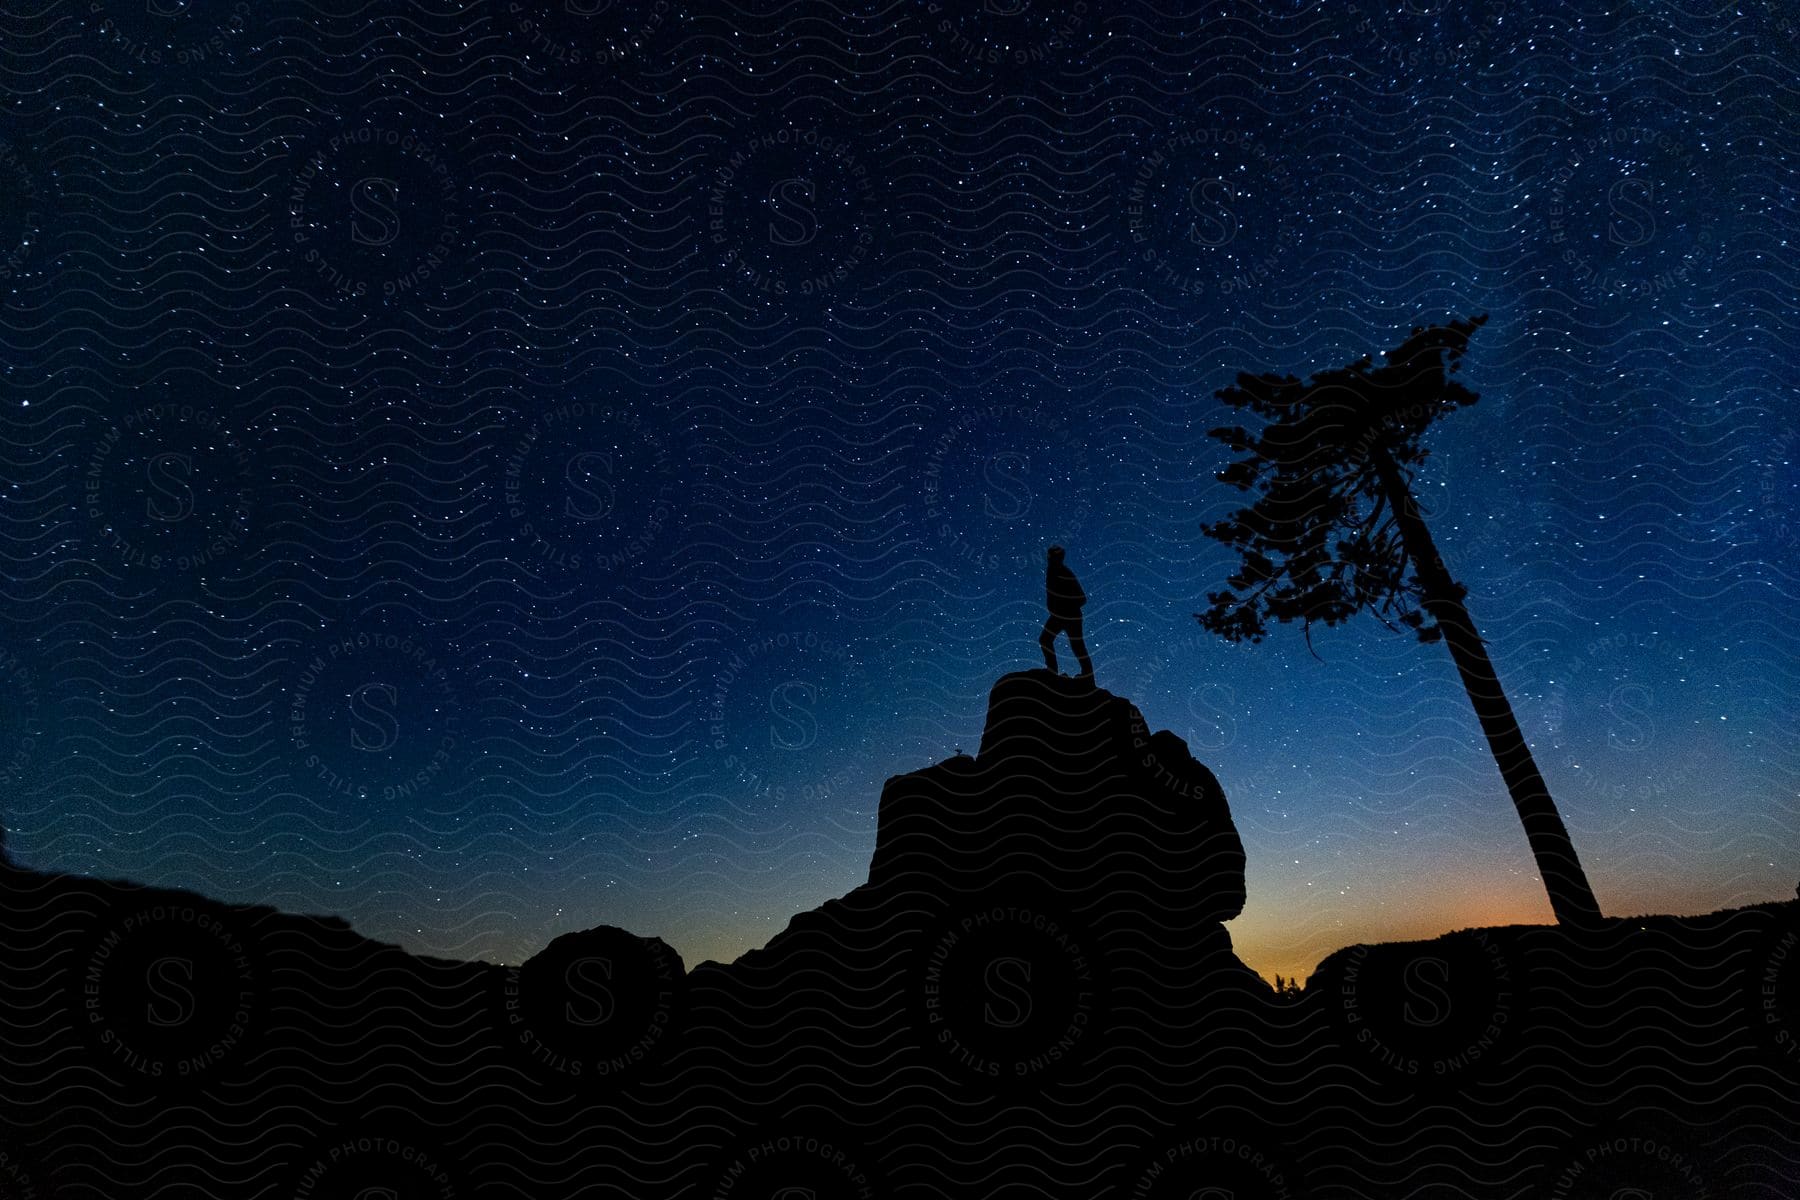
<point x="1033" y="994"/>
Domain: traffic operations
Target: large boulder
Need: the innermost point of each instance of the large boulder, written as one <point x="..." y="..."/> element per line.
<point x="1070" y="792"/>
<point x="1045" y="914"/>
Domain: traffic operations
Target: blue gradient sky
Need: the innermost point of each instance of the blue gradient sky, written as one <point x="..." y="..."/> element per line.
<point x="656" y="461"/>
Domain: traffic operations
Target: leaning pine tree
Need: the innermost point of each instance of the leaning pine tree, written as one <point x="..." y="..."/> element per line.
<point x="1334" y="530"/>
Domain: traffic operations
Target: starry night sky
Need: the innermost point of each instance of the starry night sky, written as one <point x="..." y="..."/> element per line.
<point x="488" y="470"/>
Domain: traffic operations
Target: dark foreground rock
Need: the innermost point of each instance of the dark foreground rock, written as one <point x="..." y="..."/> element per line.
<point x="1033" y="995"/>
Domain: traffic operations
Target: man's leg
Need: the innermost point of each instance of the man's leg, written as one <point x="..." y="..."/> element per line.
<point x="1079" y="644"/>
<point x="1047" y="643"/>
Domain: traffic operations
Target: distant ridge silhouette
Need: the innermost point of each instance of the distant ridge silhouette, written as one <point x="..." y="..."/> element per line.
<point x="1032" y="994"/>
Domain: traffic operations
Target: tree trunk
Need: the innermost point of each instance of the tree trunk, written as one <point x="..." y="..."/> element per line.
<point x="1571" y="897"/>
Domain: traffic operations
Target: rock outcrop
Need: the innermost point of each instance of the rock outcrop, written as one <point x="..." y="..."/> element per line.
<point x="1072" y="808"/>
<point x="1069" y="791"/>
<point x="1036" y="916"/>
<point x="1032" y="995"/>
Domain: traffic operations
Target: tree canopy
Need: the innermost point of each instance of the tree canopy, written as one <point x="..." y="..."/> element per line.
<point x="1322" y="540"/>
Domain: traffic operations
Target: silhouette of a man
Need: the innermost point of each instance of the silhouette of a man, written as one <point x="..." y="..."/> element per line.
<point x="1064" y="597"/>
